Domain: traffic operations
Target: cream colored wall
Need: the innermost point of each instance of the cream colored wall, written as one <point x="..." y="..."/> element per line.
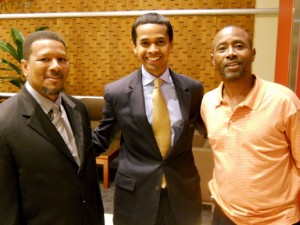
<point x="265" y="38"/>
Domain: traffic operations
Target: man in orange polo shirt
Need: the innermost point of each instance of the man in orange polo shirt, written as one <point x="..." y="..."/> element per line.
<point x="253" y="127"/>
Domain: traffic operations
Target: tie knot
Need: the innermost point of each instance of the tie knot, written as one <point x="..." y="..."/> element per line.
<point x="158" y="82"/>
<point x="56" y="108"/>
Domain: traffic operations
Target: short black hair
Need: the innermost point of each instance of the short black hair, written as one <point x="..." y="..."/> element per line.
<point x="154" y="18"/>
<point x="39" y="35"/>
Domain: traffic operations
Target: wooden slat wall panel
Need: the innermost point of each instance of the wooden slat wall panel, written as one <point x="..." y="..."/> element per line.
<point x="100" y="48"/>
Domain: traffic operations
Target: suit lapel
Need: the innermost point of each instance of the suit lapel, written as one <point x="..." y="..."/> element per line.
<point x="75" y="121"/>
<point x="137" y="106"/>
<point x="184" y="100"/>
<point x="40" y="123"/>
<point x="183" y="95"/>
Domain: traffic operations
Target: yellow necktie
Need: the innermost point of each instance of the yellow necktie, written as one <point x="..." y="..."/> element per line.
<point x="161" y="124"/>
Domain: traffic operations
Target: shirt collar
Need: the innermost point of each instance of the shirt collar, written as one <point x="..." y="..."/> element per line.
<point x="148" y="78"/>
<point x="219" y="94"/>
<point x="254" y="97"/>
<point x="44" y="102"/>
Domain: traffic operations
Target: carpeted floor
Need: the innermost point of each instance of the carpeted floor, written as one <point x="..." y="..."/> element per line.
<point x="108" y="203"/>
<point x="108" y="195"/>
<point x="108" y="198"/>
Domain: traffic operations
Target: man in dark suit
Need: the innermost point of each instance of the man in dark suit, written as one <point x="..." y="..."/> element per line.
<point x="151" y="188"/>
<point x="44" y="179"/>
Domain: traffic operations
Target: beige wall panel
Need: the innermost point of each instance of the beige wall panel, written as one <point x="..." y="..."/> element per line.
<point x="100" y="48"/>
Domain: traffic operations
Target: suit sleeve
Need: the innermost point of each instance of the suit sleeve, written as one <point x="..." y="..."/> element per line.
<point x="200" y="124"/>
<point x="108" y="127"/>
<point x="9" y="198"/>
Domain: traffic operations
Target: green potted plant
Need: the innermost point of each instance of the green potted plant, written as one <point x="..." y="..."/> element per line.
<point x="12" y="70"/>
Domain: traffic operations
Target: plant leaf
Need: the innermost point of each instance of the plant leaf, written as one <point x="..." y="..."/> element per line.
<point x="7" y="47"/>
<point x="17" y="53"/>
<point x="9" y="78"/>
<point x="16" y="83"/>
<point x="41" y="28"/>
<point x="17" y="69"/>
<point x="6" y="69"/>
<point x="18" y="39"/>
<point x="13" y="80"/>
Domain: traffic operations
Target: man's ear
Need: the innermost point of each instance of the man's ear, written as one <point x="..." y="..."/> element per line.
<point x="134" y="48"/>
<point x="212" y="59"/>
<point x="253" y="54"/>
<point x="24" y="66"/>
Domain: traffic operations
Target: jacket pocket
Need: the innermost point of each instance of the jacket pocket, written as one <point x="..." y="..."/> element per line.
<point x="125" y="181"/>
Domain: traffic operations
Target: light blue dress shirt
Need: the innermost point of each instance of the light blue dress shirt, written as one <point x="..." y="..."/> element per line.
<point x="169" y="94"/>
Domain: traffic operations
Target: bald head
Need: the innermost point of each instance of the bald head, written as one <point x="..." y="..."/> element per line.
<point x="232" y="53"/>
<point x="230" y="31"/>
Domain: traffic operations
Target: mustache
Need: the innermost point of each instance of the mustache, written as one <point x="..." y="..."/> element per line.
<point x="55" y="74"/>
<point x="229" y="62"/>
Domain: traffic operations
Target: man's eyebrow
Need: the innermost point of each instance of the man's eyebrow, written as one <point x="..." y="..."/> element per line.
<point x="220" y="43"/>
<point x="234" y="42"/>
<point x="158" y="38"/>
<point x="143" y="39"/>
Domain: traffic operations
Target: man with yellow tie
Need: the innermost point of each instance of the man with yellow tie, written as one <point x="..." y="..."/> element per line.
<point x="157" y="111"/>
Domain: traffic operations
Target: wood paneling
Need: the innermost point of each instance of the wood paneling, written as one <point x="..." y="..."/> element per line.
<point x="100" y="48"/>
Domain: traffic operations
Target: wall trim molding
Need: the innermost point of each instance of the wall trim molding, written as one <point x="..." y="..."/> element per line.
<point x="182" y="12"/>
<point x="11" y="94"/>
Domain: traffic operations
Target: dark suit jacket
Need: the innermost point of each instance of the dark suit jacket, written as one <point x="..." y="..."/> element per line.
<point x="141" y="166"/>
<point x="40" y="183"/>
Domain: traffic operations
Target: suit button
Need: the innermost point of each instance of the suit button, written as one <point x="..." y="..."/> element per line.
<point x="83" y="202"/>
<point x="81" y="173"/>
<point x="157" y="187"/>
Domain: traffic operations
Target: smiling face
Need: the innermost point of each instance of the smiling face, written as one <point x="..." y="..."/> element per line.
<point x="47" y="67"/>
<point x="232" y="53"/>
<point x="153" y="47"/>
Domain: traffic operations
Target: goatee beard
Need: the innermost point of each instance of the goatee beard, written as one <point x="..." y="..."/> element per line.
<point x="47" y="91"/>
<point x="232" y="75"/>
